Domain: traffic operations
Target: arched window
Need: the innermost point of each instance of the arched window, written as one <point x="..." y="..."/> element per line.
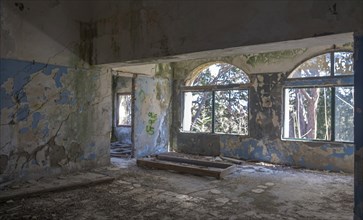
<point x="216" y="100"/>
<point x="319" y="96"/>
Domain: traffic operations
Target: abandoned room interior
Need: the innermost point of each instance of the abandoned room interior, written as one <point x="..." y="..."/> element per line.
<point x="181" y="109"/>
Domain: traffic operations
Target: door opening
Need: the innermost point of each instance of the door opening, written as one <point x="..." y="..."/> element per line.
<point x="121" y="139"/>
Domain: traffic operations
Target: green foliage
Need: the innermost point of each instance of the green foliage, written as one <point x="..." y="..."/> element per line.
<point x="203" y="124"/>
<point x="310" y="109"/>
<point x="230" y="106"/>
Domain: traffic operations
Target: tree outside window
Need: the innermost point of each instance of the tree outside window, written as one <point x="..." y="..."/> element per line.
<point x="217" y="101"/>
<point x="321" y="106"/>
<point x="124" y="110"/>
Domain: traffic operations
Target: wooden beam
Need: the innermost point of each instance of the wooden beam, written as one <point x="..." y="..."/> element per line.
<point x="232" y="160"/>
<point x="191" y="169"/>
<point x="193" y="161"/>
<point x="31" y="192"/>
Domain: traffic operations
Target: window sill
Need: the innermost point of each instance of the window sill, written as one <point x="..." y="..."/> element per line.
<point x="209" y="133"/>
<point x="316" y="141"/>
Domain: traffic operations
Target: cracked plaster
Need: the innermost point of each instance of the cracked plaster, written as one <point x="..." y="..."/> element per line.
<point x="55" y="126"/>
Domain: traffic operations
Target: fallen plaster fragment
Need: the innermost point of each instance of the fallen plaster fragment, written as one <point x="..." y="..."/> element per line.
<point x="258" y="190"/>
<point x="233" y="217"/>
<point x="214" y="213"/>
<point x="250" y="213"/>
<point x="123" y="182"/>
<point x="218" y="159"/>
<point x="222" y="200"/>
<point x="215" y="191"/>
<point x="262" y="186"/>
<point x="10" y="201"/>
<point x="269" y="184"/>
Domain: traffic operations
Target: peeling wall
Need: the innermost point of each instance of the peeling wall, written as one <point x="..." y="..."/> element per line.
<point x="152" y="112"/>
<point x="265" y="117"/>
<point x="54" y="119"/>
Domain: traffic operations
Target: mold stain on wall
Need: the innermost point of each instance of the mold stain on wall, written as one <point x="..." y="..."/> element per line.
<point x="276" y="56"/>
<point x="88" y="31"/>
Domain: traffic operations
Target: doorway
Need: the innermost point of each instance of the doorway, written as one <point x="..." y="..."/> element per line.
<point x="122" y="128"/>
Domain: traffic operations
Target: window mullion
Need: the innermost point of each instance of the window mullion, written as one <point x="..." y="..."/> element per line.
<point x="332" y="120"/>
<point x="332" y="114"/>
<point x="332" y="64"/>
<point x="213" y="111"/>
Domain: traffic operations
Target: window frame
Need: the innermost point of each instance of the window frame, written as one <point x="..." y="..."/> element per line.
<point x="332" y="81"/>
<point x="213" y="89"/>
<point x="118" y="108"/>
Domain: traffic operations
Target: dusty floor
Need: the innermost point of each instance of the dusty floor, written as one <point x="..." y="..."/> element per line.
<point x="252" y="192"/>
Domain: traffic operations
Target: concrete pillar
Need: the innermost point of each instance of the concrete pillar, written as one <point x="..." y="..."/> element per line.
<point x="358" y="126"/>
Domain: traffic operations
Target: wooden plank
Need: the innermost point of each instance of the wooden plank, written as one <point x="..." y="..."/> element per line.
<point x="26" y="193"/>
<point x="232" y="160"/>
<point x="193" y="161"/>
<point x="192" y="169"/>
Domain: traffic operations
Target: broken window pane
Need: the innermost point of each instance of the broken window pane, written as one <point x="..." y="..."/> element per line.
<point x="197" y="111"/>
<point x="315" y="67"/>
<point x="231" y="112"/>
<point x="343" y="63"/>
<point x="344" y="114"/>
<point x="124" y="110"/>
<point x="308" y="113"/>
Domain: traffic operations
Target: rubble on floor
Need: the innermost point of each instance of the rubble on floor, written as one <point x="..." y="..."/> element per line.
<point x="120" y="150"/>
<point x="253" y="191"/>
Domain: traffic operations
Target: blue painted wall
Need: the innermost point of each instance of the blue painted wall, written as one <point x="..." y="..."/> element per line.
<point x="49" y="119"/>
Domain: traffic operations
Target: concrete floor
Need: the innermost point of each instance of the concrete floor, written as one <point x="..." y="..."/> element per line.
<point x="254" y="191"/>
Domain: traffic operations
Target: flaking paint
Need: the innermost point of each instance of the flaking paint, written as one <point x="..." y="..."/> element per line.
<point x="53" y="119"/>
<point x="264" y="141"/>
